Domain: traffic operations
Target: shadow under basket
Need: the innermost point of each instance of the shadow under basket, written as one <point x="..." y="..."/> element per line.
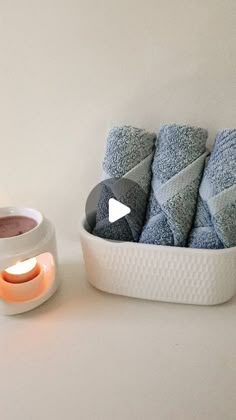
<point x="162" y="273"/>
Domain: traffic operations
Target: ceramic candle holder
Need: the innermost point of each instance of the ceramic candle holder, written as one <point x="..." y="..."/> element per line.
<point x="28" y="260"/>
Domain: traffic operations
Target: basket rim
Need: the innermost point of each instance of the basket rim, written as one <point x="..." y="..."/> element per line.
<point x="84" y="232"/>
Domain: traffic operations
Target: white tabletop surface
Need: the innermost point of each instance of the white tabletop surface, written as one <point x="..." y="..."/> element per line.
<point x="92" y="356"/>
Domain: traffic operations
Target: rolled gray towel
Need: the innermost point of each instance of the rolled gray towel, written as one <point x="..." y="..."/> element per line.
<point x="129" y="154"/>
<point x="215" y="222"/>
<point x="177" y="170"/>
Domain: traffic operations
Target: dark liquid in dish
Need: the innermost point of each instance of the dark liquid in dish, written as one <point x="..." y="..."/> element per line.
<point x="15" y="225"/>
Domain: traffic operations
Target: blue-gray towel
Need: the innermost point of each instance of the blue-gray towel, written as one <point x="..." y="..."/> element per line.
<point x="129" y="154"/>
<point x="177" y="170"/>
<point x="215" y="223"/>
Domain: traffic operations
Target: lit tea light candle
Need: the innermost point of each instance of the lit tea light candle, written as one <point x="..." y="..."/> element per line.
<point x="22" y="271"/>
<point x="25" y="232"/>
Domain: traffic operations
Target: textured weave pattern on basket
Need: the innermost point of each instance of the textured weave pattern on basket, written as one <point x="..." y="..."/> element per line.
<point x="182" y="275"/>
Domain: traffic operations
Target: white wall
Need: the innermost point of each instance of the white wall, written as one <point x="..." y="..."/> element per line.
<point x="69" y="69"/>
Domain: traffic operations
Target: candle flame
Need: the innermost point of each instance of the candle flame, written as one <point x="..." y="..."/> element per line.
<point x="22" y="267"/>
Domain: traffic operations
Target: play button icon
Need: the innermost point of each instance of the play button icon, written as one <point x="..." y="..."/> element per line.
<point x="117" y="210"/>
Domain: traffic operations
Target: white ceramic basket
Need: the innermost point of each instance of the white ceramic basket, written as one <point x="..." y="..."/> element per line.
<point x="163" y="273"/>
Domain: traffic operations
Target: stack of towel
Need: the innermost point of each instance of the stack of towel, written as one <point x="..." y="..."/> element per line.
<point x="177" y="171"/>
<point x="129" y="154"/>
<point x="215" y="222"/>
<point x="185" y="204"/>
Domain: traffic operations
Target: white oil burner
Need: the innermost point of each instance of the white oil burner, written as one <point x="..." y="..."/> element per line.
<point x="28" y="260"/>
